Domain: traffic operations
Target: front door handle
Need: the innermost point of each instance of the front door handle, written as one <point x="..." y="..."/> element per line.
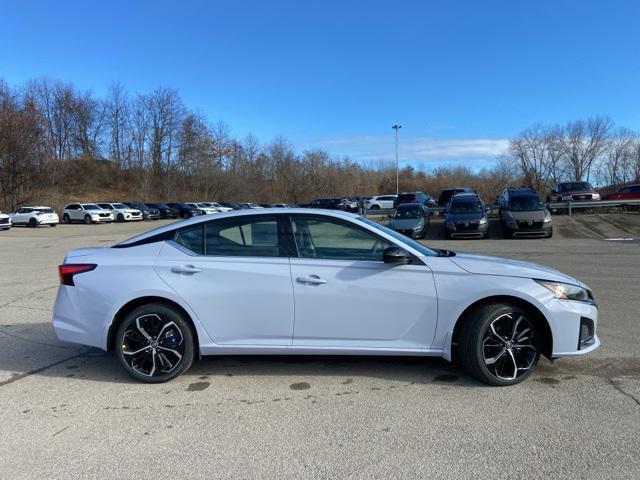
<point x="186" y="269"/>
<point x="311" y="280"/>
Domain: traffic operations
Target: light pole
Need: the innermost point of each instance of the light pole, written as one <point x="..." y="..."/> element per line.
<point x="396" y="128"/>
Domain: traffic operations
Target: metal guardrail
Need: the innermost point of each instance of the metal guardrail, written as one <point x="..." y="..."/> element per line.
<point x="385" y="212"/>
<point x="570" y="206"/>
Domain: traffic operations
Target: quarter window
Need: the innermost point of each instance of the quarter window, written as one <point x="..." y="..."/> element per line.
<point x="331" y="239"/>
<point x="191" y="238"/>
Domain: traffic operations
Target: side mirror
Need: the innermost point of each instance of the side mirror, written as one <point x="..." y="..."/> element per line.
<point x="396" y="255"/>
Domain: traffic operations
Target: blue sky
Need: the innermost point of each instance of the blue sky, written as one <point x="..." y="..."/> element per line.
<point x="460" y="76"/>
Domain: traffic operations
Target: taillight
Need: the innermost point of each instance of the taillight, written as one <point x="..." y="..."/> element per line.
<point x="68" y="270"/>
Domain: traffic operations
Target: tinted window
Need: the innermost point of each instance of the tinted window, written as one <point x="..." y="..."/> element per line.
<point x="565" y="187"/>
<point x="331" y="239"/>
<point x="409" y="212"/>
<point x="243" y="237"/>
<point x="105" y="206"/>
<point x="406" y="198"/>
<point x="472" y="206"/>
<point x="191" y="238"/>
<point x="635" y="189"/>
<point x="43" y="210"/>
<point x="525" y="204"/>
<point x="90" y="206"/>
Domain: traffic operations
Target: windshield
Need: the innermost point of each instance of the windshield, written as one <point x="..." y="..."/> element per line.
<point x="216" y="204"/>
<point x="525" y="204"/>
<point x="406" y="213"/>
<point x="120" y="206"/>
<point x="202" y="205"/>
<point x="401" y="238"/>
<point x="566" y="187"/>
<point x="465" y="207"/>
<point x="91" y="206"/>
<point x="406" y="198"/>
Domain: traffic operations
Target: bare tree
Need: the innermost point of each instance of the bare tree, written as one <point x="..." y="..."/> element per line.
<point x="585" y="141"/>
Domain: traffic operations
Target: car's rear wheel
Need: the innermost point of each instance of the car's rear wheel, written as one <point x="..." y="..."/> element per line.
<point x="66" y="218"/>
<point x="155" y="343"/>
<point x="120" y="218"/>
<point x="375" y="207"/>
<point x="499" y="344"/>
<point x="87" y="219"/>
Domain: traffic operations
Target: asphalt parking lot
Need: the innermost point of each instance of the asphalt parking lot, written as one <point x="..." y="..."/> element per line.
<point x="71" y="412"/>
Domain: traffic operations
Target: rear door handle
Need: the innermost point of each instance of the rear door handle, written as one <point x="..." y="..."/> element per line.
<point x="311" y="280"/>
<point x="186" y="269"/>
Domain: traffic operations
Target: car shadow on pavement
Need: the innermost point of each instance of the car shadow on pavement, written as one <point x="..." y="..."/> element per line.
<point x="33" y="350"/>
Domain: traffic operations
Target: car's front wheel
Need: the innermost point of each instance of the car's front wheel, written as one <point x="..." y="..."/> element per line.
<point x="499" y="344"/>
<point x="87" y="220"/>
<point x="155" y="343"/>
<point x="66" y="218"/>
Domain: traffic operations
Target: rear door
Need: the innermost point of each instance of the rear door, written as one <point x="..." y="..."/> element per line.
<point x="234" y="273"/>
<point x="347" y="297"/>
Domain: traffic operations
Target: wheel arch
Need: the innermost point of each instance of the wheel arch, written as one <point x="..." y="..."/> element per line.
<point x="536" y="313"/>
<point x="140" y="301"/>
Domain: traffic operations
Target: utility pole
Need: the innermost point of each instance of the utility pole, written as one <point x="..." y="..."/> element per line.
<point x="396" y="128"/>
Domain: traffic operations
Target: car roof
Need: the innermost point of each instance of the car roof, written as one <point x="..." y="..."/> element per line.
<point x="29" y="206"/>
<point x="238" y="213"/>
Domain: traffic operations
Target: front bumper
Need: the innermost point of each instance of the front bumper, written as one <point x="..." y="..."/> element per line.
<point x="477" y="230"/>
<point x="566" y="319"/>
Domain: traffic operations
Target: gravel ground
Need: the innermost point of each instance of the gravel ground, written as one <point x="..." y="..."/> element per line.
<point x="70" y="412"/>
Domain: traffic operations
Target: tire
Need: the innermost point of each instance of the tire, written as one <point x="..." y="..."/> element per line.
<point x="53" y="225"/>
<point x="447" y="235"/>
<point x="87" y="220"/>
<point x="175" y="348"/>
<point x="375" y="207"/>
<point x="66" y="218"/>
<point x="497" y="356"/>
<point x="185" y="215"/>
<point x="550" y="234"/>
<point x="33" y="223"/>
<point x="120" y="218"/>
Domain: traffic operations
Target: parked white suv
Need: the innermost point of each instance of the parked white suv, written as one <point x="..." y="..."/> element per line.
<point x="34" y="216"/>
<point x="380" y="202"/>
<point x="122" y="213"/>
<point x="85" y="212"/>
<point x="5" y="221"/>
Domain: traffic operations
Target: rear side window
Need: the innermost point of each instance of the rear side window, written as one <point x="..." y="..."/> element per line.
<point x="191" y="238"/>
<point x="243" y="237"/>
<point x="635" y="189"/>
<point x="406" y="198"/>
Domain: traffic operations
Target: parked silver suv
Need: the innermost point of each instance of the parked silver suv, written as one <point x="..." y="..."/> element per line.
<point x="524" y="214"/>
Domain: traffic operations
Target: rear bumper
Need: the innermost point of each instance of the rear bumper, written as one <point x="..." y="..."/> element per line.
<point x="73" y="325"/>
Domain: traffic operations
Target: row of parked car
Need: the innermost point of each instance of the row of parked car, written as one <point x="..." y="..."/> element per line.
<point x="106" y="212"/>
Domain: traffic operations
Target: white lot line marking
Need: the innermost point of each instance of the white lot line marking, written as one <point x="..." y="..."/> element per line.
<point x="625" y="239"/>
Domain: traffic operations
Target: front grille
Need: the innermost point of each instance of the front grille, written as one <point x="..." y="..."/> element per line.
<point x="104" y="214"/>
<point x="467" y="225"/>
<point x="527" y="224"/>
<point x="581" y="197"/>
<point x="4" y="221"/>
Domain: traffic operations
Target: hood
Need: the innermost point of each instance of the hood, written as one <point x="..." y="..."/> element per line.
<point x="577" y="192"/>
<point x="533" y="215"/>
<point x="465" y="217"/>
<point x="405" y="223"/>
<point x="487" y="265"/>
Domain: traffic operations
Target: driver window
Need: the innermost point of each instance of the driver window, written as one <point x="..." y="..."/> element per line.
<point x="334" y="240"/>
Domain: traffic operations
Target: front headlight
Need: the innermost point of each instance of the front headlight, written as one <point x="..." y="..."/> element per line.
<point x="451" y="226"/>
<point x="419" y="225"/>
<point x="596" y="196"/>
<point x="547" y="217"/>
<point x="510" y="220"/>
<point x="566" y="291"/>
<point x="483" y="220"/>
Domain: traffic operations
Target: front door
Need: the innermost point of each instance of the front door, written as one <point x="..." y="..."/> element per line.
<point x="347" y="297"/>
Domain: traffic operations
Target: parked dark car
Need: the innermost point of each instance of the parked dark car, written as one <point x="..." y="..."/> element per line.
<point x="630" y="192"/>
<point x="414" y="197"/>
<point x="411" y="219"/>
<point x="148" y="213"/>
<point x="524" y="214"/>
<point x="185" y="211"/>
<point x="165" y="210"/>
<point x="331" y="203"/>
<point x="572" y="191"/>
<point x="466" y="217"/>
<point x="447" y="193"/>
